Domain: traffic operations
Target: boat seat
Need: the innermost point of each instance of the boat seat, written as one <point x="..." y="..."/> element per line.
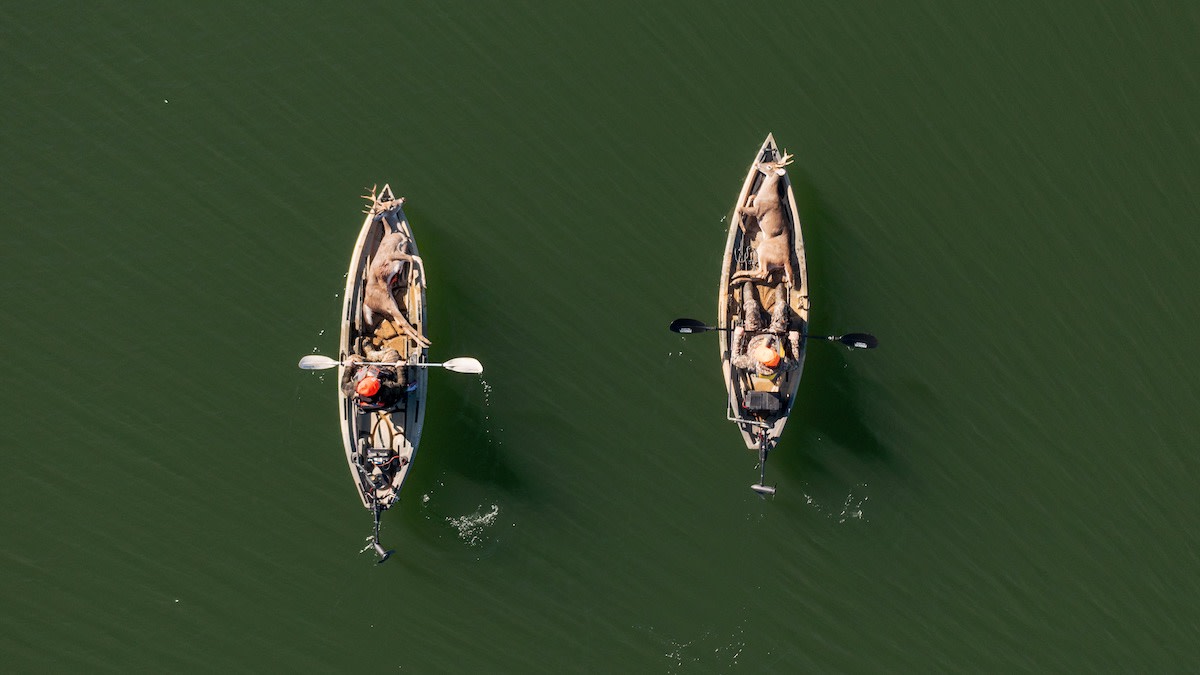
<point x="762" y="401"/>
<point x="400" y="406"/>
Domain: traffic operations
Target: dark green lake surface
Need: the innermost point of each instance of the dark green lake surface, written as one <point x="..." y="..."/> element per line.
<point x="1006" y="194"/>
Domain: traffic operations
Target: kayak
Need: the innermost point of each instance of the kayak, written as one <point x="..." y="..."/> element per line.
<point x="380" y="445"/>
<point x="764" y="265"/>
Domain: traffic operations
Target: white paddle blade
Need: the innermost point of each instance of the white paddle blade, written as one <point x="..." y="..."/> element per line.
<point x="464" y="364"/>
<point x="317" y="362"/>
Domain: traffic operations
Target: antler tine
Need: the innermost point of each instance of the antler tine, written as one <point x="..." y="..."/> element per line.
<point x="785" y="160"/>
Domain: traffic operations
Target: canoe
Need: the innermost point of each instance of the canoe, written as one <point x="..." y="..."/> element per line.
<point x="760" y="406"/>
<point x="381" y="445"/>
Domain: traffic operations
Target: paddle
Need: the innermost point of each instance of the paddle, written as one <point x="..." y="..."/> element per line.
<point x="462" y="364"/>
<point x="851" y="340"/>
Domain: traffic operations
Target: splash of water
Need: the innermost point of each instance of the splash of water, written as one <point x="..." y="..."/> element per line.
<point x="471" y="527"/>
<point x="852" y="510"/>
<point x="487" y="402"/>
<point x="370" y="545"/>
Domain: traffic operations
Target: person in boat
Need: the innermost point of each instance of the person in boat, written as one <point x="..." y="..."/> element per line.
<point x="764" y="352"/>
<point x="375" y="386"/>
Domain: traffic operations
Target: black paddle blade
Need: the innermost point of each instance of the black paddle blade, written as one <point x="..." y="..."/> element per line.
<point x="688" y="326"/>
<point x="859" y="341"/>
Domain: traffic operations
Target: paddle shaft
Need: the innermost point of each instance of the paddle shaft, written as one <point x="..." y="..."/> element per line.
<point x="851" y="340"/>
<point x="814" y="337"/>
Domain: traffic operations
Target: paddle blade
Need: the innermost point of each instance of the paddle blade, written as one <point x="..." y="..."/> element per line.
<point x="859" y="341"/>
<point x="317" y="362"/>
<point x="464" y="364"/>
<point x="763" y="490"/>
<point x="688" y="326"/>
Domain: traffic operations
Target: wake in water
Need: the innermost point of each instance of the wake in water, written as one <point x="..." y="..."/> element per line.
<point x="712" y="650"/>
<point x="851" y="508"/>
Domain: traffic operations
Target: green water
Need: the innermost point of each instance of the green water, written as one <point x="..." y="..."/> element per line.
<point x="1005" y="195"/>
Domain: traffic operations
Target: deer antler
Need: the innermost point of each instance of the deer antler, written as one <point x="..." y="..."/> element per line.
<point x="785" y="160"/>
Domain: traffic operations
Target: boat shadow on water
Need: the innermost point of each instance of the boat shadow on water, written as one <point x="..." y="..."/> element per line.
<point x="462" y="479"/>
<point x="459" y="444"/>
<point x="827" y="405"/>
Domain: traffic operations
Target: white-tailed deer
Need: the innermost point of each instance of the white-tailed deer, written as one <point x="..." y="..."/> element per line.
<point x="774" y="243"/>
<point x="388" y="274"/>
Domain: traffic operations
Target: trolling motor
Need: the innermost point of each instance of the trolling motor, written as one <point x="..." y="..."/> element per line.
<point x="379" y="550"/>
<point x="760" y="487"/>
<point x="378" y="482"/>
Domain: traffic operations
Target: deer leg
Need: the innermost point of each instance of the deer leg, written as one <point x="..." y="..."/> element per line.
<point x="402" y="324"/>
